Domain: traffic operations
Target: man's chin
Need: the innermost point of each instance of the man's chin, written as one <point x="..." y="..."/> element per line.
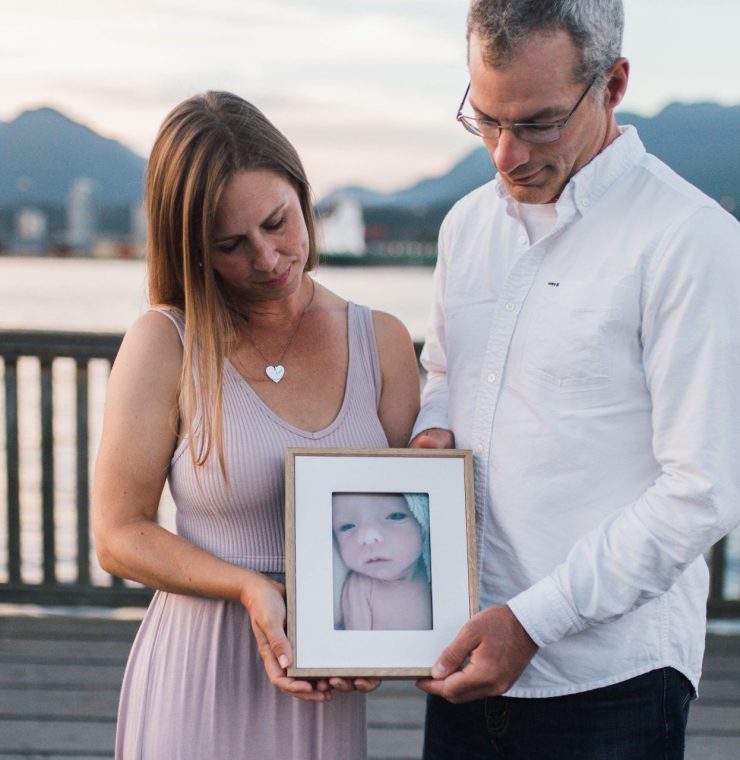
<point x="529" y="193"/>
<point x="534" y="193"/>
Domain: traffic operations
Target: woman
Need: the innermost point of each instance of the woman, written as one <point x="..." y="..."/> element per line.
<point x="242" y="356"/>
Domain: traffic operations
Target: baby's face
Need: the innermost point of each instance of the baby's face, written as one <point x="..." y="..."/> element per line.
<point x="377" y="535"/>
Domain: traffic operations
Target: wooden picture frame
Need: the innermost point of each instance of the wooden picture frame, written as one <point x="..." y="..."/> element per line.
<point x="379" y="558"/>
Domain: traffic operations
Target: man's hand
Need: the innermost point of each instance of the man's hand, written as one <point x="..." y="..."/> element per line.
<point x="492" y="649"/>
<point x="433" y="438"/>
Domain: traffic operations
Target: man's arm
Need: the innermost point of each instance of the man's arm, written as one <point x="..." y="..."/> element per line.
<point x="435" y="394"/>
<point x="691" y="360"/>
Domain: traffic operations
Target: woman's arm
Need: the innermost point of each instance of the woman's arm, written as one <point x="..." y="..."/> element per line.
<point x="139" y="437"/>
<point x="399" y="400"/>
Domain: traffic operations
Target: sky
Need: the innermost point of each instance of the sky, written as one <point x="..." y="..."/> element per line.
<point x="367" y="91"/>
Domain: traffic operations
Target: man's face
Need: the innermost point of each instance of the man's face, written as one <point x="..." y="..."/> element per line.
<point x="537" y="85"/>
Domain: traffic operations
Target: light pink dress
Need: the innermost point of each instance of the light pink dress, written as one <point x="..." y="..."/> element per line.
<point x="195" y="687"/>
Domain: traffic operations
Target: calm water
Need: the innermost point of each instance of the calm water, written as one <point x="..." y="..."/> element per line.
<point x="106" y="296"/>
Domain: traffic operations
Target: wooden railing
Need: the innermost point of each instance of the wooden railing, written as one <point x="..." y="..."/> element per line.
<point x="89" y="585"/>
<point x="46" y="349"/>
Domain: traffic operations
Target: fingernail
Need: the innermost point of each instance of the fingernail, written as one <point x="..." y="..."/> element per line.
<point x="283" y="660"/>
<point x="438" y="671"/>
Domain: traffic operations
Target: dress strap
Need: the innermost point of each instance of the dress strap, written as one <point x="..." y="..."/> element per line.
<point x="176" y="316"/>
<point x="362" y="342"/>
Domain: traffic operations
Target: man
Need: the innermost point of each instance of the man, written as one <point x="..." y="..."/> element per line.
<point x="583" y="343"/>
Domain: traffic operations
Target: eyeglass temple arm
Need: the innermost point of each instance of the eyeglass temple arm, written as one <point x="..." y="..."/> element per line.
<point x="462" y="102"/>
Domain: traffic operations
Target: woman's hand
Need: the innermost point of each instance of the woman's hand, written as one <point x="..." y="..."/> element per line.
<point x="365" y="685"/>
<point x="265" y="602"/>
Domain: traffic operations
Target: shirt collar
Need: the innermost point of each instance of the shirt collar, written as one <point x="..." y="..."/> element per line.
<point x="593" y="180"/>
<point x="599" y="174"/>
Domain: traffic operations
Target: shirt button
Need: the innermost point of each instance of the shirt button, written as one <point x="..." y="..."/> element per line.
<point x="479" y="449"/>
<point x="491" y="378"/>
<point x="510" y="306"/>
<point x="585" y="201"/>
<point x="522" y="239"/>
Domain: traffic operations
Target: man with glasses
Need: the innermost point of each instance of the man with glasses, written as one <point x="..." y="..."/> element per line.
<point x="584" y="344"/>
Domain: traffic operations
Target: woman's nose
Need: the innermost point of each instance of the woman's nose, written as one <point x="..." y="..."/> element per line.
<point x="264" y="256"/>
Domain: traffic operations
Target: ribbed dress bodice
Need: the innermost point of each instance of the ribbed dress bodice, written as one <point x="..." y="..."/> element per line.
<point x="242" y="521"/>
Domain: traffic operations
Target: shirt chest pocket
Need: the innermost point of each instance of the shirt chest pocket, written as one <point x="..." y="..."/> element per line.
<point x="569" y="340"/>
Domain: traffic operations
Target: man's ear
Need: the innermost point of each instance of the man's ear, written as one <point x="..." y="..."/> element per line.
<point x="616" y="83"/>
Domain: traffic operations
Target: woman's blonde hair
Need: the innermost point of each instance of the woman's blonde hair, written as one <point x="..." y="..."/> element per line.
<point x="200" y="145"/>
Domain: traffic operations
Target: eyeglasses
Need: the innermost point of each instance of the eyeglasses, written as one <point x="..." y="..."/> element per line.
<point x="531" y="132"/>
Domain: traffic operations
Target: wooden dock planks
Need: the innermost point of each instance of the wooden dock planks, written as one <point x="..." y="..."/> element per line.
<point x="60" y="676"/>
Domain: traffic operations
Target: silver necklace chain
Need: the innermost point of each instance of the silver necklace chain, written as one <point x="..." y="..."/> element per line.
<point x="276" y="371"/>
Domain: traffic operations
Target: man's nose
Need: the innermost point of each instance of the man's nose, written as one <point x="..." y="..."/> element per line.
<point x="509" y="152"/>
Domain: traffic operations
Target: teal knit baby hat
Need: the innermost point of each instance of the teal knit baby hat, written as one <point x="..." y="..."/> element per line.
<point x="418" y="504"/>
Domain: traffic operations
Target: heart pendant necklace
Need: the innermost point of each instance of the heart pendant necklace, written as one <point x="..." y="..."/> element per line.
<point x="276" y="371"/>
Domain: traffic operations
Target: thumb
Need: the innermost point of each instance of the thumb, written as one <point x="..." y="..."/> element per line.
<point x="426" y="441"/>
<point x="453" y="656"/>
<point x="434" y="438"/>
<point x="280" y="647"/>
<point x="273" y="644"/>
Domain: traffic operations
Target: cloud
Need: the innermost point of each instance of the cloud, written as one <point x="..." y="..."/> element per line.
<point x="357" y="77"/>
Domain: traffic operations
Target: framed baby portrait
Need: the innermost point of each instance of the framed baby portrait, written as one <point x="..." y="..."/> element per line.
<point x="379" y="558"/>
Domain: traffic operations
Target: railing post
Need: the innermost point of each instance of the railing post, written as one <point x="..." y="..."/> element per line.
<point x="717" y="568"/>
<point x="47" y="472"/>
<point x="83" y="479"/>
<point x="12" y="464"/>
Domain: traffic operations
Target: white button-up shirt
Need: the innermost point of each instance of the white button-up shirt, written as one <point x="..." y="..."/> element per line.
<point x="595" y="374"/>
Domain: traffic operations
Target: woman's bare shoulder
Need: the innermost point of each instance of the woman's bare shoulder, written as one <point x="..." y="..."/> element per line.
<point x="151" y="348"/>
<point x="389" y="329"/>
<point x="154" y="330"/>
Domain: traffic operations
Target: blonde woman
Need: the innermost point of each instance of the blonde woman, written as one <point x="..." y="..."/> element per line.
<point x="242" y="355"/>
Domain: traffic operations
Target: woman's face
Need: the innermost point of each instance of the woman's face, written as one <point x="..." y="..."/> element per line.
<point x="260" y="240"/>
<point x="376" y="534"/>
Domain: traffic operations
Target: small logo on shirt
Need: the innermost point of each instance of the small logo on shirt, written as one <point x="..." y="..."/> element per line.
<point x="554" y="284"/>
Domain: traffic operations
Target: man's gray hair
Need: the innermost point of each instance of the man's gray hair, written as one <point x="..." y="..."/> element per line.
<point x="595" y="27"/>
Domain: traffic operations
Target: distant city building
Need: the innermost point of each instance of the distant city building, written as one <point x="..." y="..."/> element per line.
<point x="81" y="214"/>
<point x="31" y="225"/>
<point x="342" y="229"/>
<point x="138" y="229"/>
<point x="31" y="233"/>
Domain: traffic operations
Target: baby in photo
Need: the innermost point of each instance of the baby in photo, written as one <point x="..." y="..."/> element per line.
<point x="382" y="561"/>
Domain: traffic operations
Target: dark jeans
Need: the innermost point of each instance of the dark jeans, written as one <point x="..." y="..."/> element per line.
<point x="640" y="719"/>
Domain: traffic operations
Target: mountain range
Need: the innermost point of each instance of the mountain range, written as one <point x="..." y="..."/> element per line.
<point x="42" y="151"/>
<point x="700" y="141"/>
